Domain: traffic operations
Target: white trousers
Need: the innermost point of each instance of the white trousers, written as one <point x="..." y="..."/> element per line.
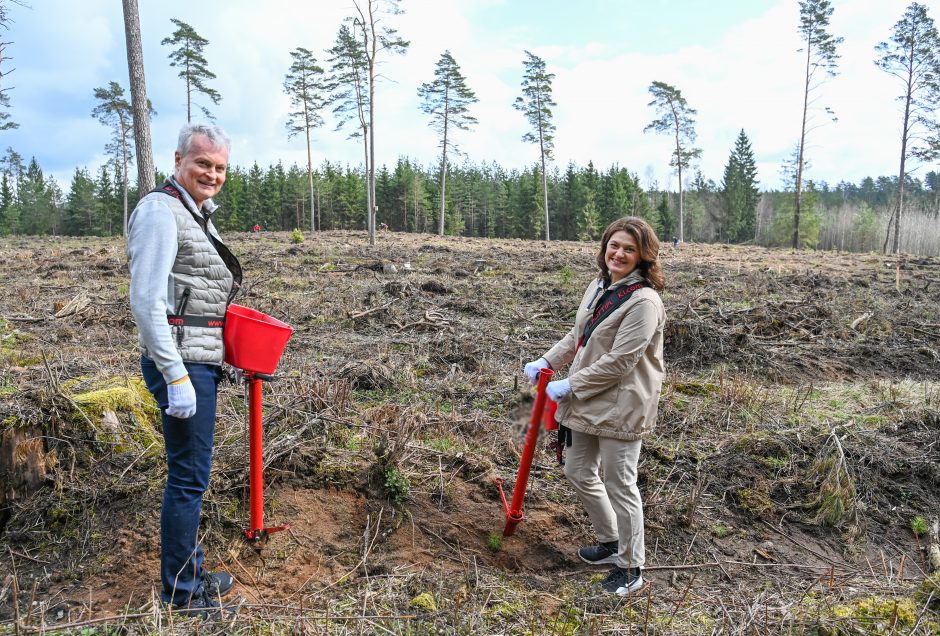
<point x="613" y="501"/>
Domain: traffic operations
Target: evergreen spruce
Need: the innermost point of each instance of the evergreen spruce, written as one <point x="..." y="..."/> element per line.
<point x="739" y="191"/>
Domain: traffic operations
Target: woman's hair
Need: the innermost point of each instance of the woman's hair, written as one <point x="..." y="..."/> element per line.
<point x="647" y="246"/>
<point x="213" y="133"/>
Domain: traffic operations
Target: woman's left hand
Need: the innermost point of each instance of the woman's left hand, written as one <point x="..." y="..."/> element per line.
<point x="558" y="389"/>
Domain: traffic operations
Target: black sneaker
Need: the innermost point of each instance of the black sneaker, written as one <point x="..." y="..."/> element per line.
<point x="623" y="581"/>
<point x="217" y="584"/>
<point x="599" y="554"/>
<point x="201" y="604"/>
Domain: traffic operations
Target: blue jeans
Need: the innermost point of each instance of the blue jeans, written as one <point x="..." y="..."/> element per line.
<point x="189" y="460"/>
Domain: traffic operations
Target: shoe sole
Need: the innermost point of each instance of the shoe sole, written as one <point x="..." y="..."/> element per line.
<point x="605" y="561"/>
<point x="633" y="587"/>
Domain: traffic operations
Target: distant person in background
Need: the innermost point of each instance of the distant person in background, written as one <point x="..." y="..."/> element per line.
<point x="611" y="395"/>
<point x="256" y="228"/>
<point x="182" y="279"/>
<point x="675" y="241"/>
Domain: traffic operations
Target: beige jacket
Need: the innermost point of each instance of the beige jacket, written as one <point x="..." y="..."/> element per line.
<point x="616" y="379"/>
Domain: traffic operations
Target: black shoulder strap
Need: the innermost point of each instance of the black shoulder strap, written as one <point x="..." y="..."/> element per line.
<point x="609" y="303"/>
<point x="173" y="191"/>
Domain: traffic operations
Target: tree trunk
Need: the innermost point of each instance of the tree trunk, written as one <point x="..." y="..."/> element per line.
<point x="799" y="161"/>
<point x="440" y="225"/>
<point x="679" y="171"/>
<point x="140" y="105"/>
<point x="904" y="137"/>
<point x="544" y="176"/>
<point x="313" y="227"/>
<point x="124" y="161"/>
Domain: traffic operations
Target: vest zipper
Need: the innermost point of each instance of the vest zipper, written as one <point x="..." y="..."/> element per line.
<point x="180" y="311"/>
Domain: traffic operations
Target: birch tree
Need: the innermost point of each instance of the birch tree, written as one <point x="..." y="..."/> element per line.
<point x="194" y="70"/>
<point x="304" y="84"/>
<point x="820" y="48"/>
<point x="139" y="102"/>
<point x="447" y="100"/>
<point x="913" y="57"/>
<point x="536" y="104"/>
<point x="675" y="117"/>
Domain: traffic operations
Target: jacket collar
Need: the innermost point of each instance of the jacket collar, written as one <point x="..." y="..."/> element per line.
<point x="208" y="206"/>
<point x="634" y="277"/>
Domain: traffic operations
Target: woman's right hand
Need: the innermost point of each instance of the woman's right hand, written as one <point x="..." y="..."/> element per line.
<point x="532" y="369"/>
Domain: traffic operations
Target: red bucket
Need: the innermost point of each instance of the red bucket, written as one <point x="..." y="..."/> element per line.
<point x="253" y="341"/>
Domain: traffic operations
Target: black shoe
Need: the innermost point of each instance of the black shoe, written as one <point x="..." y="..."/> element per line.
<point x="623" y="581"/>
<point x="201" y="604"/>
<point x="599" y="554"/>
<point x="217" y="584"/>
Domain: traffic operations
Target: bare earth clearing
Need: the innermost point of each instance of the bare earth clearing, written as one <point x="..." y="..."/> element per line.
<point x="799" y="438"/>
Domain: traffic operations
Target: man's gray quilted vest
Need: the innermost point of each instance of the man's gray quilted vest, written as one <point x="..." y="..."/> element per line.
<point x="201" y="270"/>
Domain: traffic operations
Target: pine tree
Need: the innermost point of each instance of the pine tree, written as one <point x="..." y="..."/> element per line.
<point x="194" y="70"/>
<point x="305" y="86"/>
<point x="447" y="100"/>
<point x="675" y="117"/>
<point x="349" y="92"/>
<point x="820" y="47"/>
<point x="5" y="122"/>
<point x="913" y="56"/>
<point x="536" y="104"/>
<point x="739" y="191"/>
<point x="376" y="39"/>
<point x="115" y="112"/>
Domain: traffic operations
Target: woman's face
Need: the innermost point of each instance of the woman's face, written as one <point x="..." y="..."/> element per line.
<point x="622" y="255"/>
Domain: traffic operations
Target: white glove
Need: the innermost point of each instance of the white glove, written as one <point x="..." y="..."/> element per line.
<point x="558" y="389"/>
<point x="532" y="369"/>
<point x="182" y="398"/>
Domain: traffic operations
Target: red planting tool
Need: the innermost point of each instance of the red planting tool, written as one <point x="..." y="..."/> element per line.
<point x="542" y="411"/>
<point x="256" y="533"/>
<point x="254" y="342"/>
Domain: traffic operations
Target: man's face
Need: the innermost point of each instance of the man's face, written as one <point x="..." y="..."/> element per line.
<point x="202" y="170"/>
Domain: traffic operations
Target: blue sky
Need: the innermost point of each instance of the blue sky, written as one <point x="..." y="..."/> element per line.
<point x="735" y="61"/>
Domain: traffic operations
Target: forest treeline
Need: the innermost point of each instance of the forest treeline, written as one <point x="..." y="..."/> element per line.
<point x="490" y="201"/>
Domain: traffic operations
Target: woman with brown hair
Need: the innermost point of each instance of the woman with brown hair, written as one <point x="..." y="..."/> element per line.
<point x="610" y="398"/>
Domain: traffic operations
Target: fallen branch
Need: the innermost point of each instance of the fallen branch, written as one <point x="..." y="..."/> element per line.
<point x="371" y="311"/>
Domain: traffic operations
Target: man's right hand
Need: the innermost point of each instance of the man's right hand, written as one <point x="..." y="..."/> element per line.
<point x="532" y="369"/>
<point x="182" y="398"/>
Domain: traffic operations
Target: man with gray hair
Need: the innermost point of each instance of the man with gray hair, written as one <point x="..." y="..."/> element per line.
<point x="183" y="278"/>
